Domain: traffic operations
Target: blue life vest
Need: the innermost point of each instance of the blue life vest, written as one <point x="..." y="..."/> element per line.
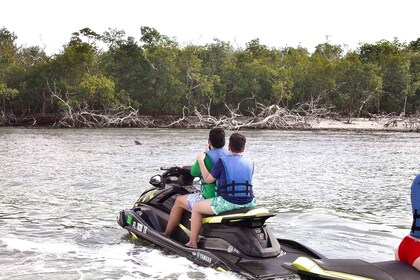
<point x="415" y="204"/>
<point x="215" y="154"/>
<point x="238" y="188"/>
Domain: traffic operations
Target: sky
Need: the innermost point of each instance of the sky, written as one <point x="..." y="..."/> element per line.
<point x="276" y="23"/>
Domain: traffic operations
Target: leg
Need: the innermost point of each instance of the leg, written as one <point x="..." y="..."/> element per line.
<point x="397" y="256"/>
<point x="416" y="263"/>
<point x="200" y="208"/>
<point x="176" y="214"/>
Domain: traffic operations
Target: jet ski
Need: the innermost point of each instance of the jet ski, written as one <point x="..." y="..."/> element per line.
<point x="334" y="269"/>
<point x="351" y="269"/>
<point x="237" y="241"/>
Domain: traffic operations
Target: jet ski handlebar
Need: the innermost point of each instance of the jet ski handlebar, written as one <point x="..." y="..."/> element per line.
<point x="174" y="174"/>
<point x="176" y="168"/>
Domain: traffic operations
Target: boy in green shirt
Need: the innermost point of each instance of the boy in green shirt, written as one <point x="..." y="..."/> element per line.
<point x="216" y="142"/>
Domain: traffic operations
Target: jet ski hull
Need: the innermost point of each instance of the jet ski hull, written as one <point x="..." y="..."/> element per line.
<point x="237" y="241"/>
<point x="215" y="253"/>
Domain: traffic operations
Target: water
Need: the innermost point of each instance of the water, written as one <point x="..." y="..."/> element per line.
<point x="344" y="194"/>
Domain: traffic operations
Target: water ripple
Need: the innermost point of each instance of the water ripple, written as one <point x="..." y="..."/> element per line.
<point x="344" y="194"/>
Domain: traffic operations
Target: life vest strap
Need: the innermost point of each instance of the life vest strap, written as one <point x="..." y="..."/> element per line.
<point x="416" y="216"/>
<point x="223" y="190"/>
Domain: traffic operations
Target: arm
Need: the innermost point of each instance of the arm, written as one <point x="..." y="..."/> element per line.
<point x="195" y="169"/>
<point x="204" y="172"/>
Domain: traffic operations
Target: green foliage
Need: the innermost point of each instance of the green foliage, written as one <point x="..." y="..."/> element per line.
<point x="314" y="76"/>
<point x="97" y="92"/>
<point x="413" y="97"/>
<point x="330" y="52"/>
<point x="159" y="77"/>
<point x="9" y="68"/>
<point x="126" y="63"/>
<point x="358" y="86"/>
<point x="200" y="83"/>
<point x="394" y="63"/>
<point x="6" y="94"/>
<point x="8" y="50"/>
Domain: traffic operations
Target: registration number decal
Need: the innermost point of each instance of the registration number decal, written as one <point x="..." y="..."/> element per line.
<point x="140" y="227"/>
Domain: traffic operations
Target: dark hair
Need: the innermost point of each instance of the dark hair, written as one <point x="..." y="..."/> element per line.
<point x="217" y="137"/>
<point x="237" y="142"/>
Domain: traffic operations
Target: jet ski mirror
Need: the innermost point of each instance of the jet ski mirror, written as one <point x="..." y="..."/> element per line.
<point x="157" y="181"/>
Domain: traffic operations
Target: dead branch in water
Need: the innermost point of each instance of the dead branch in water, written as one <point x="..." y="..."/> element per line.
<point x="412" y="123"/>
<point x="260" y="117"/>
<point x="119" y="117"/>
<point x="128" y="117"/>
<point x="270" y="117"/>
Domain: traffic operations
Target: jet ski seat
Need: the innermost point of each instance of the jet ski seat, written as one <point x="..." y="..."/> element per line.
<point x="244" y="228"/>
<point x="251" y="216"/>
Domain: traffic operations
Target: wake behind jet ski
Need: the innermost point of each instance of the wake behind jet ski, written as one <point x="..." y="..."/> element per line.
<point x="237" y="241"/>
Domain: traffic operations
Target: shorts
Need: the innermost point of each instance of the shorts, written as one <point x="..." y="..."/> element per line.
<point x="409" y="250"/>
<point x="192" y="199"/>
<point x="219" y="205"/>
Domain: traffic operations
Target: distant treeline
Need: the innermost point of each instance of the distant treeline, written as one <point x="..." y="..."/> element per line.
<point x="157" y="76"/>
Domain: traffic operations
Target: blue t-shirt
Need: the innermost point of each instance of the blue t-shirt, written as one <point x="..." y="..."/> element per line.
<point x="218" y="172"/>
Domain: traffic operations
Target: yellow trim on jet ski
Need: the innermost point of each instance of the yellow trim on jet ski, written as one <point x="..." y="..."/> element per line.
<point x="187" y="231"/>
<point x="148" y="196"/>
<point x="308" y="265"/>
<point x="254" y="212"/>
<point x="134" y="236"/>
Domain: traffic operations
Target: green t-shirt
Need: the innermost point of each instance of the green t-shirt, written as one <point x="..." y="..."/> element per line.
<point x="207" y="190"/>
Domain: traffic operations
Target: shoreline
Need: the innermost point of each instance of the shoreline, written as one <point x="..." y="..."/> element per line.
<point x="378" y="124"/>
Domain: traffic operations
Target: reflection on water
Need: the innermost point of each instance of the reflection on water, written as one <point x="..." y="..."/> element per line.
<point x="344" y="194"/>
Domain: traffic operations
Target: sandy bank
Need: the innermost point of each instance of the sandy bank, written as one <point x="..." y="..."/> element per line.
<point x="362" y="124"/>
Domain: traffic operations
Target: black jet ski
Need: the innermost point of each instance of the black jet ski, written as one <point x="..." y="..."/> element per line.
<point x="351" y="269"/>
<point x="237" y="241"/>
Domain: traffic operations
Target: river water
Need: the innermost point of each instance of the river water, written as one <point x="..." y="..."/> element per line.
<point x="345" y="194"/>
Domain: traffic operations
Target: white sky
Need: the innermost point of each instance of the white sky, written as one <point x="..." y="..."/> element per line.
<point x="277" y="23"/>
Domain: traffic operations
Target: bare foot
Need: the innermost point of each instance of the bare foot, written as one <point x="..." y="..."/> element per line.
<point x="191" y="245"/>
